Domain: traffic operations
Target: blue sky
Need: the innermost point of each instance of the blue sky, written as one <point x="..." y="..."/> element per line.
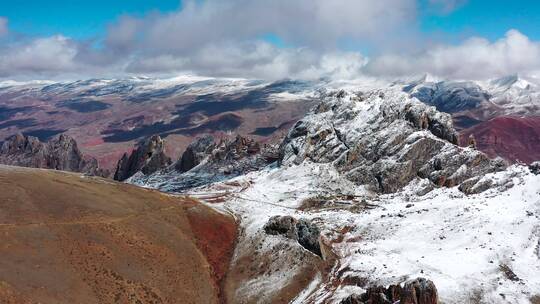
<point x="487" y="18"/>
<point x="86" y="19"/>
<point x="75" y="18"/>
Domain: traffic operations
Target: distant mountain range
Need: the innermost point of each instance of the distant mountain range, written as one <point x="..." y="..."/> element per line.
<point x="108" y="117"/>
<point x="502" y="114"/>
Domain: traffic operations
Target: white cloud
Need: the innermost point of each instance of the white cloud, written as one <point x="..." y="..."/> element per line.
<point x="255" y="60"/>
<point x="476" y="58"/>
<point x="3" y="26"/>
<point x="224" y="38"/>
<point x="319" y="23"/>
<point x="42" y="55"/>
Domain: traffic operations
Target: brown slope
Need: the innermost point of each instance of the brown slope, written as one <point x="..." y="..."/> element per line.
<point x="513" y="138"/>
<point x="67" y="239"/>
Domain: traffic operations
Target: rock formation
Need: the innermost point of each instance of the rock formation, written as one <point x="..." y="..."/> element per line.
<point x="306" y="233"/>
<point x="384" y="140"/>
<point x="535" y="167"/>
<point x="148" y="158"/>
<point x="206" y="161"/>
<point x="59" y="153"/>
<point x="418" y="291"/>
<point x="195" y="153"/>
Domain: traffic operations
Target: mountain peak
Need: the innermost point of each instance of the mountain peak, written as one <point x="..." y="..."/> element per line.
<point x="511" y="81"/>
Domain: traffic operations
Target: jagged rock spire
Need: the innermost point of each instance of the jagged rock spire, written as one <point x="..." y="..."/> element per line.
<point x="148" y="158"/>
<point x="59" y="153"/>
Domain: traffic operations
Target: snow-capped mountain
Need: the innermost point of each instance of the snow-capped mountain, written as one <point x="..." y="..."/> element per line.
<point x="143" y="89"/>
<point x="502" y="114"/>
<point x="511" y="95"/>
<point x="376" y="178"/>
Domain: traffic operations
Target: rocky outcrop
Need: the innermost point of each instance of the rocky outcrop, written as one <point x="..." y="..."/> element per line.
<point x="384" y="140"/>
<point x="281" y="225"/>
<point x="535" y="168"/>
<point x="59" y="153"/>
<point x="305" y="232"/>
<point x="148" y="158"/>
<point x="418" y="291"/>
<point x="195" y="153"/>
<point x="206" y="161"/>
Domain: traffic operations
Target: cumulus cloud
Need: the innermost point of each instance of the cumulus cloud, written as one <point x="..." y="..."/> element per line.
<point x="257" y="59"/>
<point x="476" y="58"/>
<point x="44" y="54"/>
<point x="223" y="38"/>
<point x="46" y="57"/>
<point x="226" y="38"/>
<point x="3" y="26"/>
<point x="318" y="23"/>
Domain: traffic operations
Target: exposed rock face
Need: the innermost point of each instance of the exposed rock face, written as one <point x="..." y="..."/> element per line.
<point x="535" y="167"/>
<point x="281" y="225"/>
<point x="306" y="233"/>
<point x="207" y="161"/>
<point x="195" y="153"/>
<point x="384" y="140"/>
<point x="148" y="158"/>
<point x="502" y="114"/>
<point x="59" y="153"/>
<point x="418" y="291"/>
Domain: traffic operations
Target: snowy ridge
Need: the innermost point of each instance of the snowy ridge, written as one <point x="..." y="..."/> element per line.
<point x="464" y="244"/>
<point x="476" y="248"/>
<point x="384" y="139"/>
<point x="137" y="89"/>
<point x="510" y="95"/>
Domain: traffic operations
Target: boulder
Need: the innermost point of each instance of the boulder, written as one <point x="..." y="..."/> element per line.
<point x="281" y="225"/>
<point x="305" y="232"/>
<point x="535" y="168"/>
<point x="418" y="291"/>
<point x="307" y="235"/>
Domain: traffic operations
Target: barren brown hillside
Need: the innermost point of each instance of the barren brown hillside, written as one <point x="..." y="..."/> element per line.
<point x="71" y="239"/>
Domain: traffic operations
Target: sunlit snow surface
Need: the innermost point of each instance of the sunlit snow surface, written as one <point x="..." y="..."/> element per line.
<point x="460" y="242"/>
